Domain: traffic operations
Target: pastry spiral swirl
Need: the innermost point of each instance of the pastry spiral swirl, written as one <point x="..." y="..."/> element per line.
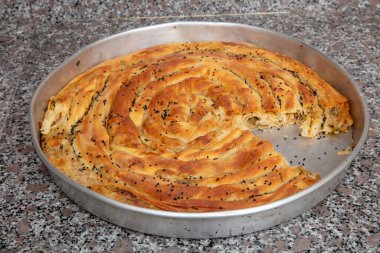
<point x="168" y="127"/>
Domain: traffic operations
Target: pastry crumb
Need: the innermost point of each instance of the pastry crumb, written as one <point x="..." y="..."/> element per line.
<point x="346" y="151"/>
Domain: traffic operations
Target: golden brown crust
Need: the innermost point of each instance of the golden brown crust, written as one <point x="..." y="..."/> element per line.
<point x="167" y="127"/>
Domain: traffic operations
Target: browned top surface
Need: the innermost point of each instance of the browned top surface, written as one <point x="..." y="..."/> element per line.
<point x="167" y="127"/>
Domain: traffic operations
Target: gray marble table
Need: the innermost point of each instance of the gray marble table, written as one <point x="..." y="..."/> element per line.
<point x="36" y="36"/>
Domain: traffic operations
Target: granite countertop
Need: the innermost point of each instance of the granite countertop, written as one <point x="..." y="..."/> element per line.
<point x="36" y="36"/>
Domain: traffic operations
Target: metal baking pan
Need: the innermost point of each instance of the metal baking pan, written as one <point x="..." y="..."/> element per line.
<point x="318" y="154"/>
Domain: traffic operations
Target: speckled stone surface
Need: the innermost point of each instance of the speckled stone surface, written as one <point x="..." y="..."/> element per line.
<point x="36" y="36"/>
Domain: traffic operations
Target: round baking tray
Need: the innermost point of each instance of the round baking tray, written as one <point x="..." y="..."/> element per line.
<point x="318" y="154"/>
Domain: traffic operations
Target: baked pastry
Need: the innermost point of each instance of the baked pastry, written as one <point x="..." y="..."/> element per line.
<point x="168" y="127"/>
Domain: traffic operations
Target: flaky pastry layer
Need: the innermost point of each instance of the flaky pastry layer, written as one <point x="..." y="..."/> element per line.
<point x="168" y="127"/>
